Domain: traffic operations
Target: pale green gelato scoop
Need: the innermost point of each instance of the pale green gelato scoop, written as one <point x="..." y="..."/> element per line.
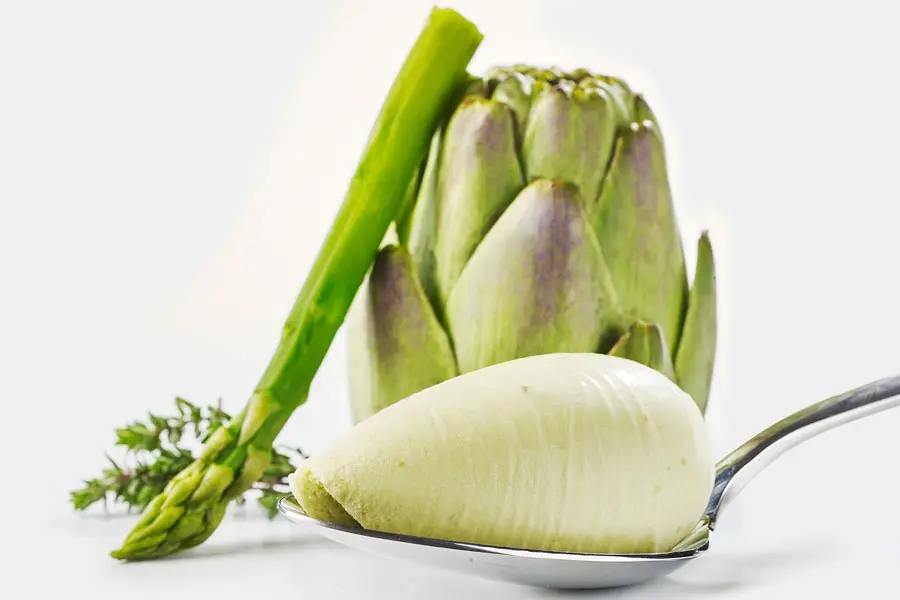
<point x="568" y="452"/>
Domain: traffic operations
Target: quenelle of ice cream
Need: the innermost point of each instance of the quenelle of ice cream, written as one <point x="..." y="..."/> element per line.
<point x="561" y="452"/>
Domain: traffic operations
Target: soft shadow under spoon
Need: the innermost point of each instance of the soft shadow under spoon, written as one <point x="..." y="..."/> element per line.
<point x="592" y="571"/>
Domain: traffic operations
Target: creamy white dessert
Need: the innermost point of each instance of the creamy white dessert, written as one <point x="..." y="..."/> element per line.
<point x="566" y="452"/>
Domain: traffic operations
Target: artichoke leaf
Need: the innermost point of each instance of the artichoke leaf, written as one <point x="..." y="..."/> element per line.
<point x="643" y="112"/>
<point x="477" y="178"/>
<point x="396" y="344"/>
<point x="537" y="284"/>
<point x="515" y="92"/>
<point x="416" y="226"/>
<point x="417" y="231"/>
<point x="618" y="91"/>
<point x="645" y="343"/>
<point x="696" y="353"/>
<point x="570" y="136"/>
<point x="636" y="226"/>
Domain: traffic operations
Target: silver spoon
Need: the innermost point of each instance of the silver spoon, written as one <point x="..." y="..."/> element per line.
<point x="593" y="571"/>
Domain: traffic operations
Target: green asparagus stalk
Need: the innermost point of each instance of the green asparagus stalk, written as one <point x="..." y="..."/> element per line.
<point x="192" y="505"/>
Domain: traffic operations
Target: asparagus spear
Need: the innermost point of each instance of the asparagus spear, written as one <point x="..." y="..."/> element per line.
<point x="192" y="505"/>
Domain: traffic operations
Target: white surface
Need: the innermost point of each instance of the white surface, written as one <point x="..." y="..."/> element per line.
<point x="174" y="166"/>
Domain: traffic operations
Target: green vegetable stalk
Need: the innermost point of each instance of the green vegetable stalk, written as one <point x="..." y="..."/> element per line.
<point x="193" y="503"/>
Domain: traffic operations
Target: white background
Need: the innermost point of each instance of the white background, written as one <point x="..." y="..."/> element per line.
<point x="173" y="166"/>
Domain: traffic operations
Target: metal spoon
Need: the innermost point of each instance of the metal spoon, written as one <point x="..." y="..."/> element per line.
<point x="592" y="571"/>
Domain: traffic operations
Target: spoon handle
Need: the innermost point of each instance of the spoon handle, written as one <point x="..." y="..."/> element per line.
<point x="738" y="468"/>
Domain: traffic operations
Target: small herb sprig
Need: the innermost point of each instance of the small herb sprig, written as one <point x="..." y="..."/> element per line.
<point x="157" y="450"/>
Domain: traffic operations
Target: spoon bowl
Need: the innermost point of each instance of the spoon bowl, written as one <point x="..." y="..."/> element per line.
<point x="561" y="570"/>
<point x="567" y="570"/>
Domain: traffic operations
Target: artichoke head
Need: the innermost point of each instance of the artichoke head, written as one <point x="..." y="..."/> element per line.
<point x="541" y="222"/>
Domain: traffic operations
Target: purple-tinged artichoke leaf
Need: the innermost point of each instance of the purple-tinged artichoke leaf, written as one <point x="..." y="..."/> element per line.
<point x="636" y="226"/>
<point x="537" y="284"/>
<point x="396" y="345"/>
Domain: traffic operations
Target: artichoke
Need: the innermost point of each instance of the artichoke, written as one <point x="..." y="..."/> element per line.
<point x="541" y="222"/>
